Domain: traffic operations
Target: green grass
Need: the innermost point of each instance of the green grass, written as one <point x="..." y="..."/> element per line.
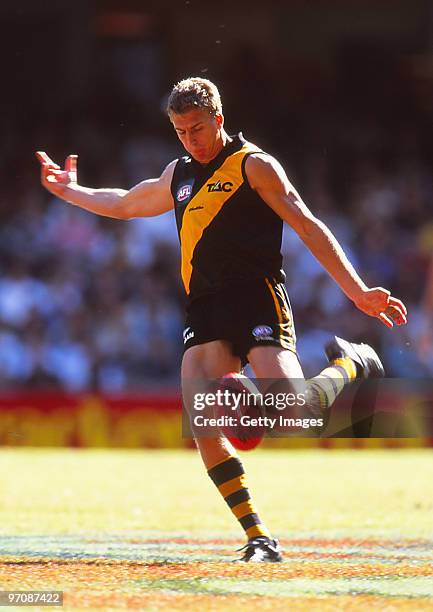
<point x="67" y="491"/>
<point x="146" y="530"/>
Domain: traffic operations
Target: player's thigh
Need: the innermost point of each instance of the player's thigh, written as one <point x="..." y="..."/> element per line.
<point x="203" y="363"/>
<point x="276" y="363"/>
<point x="209" y="360"/>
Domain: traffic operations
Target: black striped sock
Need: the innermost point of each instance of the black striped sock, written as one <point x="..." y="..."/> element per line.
<point x="229" y="477"/>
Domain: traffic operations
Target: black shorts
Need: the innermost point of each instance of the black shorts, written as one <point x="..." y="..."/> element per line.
<point x="246" y="314"/>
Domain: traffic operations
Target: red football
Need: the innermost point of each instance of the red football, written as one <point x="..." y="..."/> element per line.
<point x="242" y="402"/>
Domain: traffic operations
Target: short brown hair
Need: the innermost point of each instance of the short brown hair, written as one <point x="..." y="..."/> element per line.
<point x="192" y="93"/>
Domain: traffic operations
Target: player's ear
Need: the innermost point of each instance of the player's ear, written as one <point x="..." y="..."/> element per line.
<point x="220" y="120"/>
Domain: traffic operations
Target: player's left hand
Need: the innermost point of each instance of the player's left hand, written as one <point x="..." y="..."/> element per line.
<point x="378" y="302"/>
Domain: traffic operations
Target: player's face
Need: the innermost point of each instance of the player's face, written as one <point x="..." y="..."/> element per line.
<point x="200" y="133"/>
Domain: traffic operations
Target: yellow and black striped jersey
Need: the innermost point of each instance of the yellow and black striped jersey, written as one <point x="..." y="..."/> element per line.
<point x="227" y="232"/>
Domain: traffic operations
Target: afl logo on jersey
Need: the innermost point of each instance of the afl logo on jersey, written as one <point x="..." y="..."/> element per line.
<point x="183" y="193"/>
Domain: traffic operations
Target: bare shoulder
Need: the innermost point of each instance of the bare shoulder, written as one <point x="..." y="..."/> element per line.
<point x="262" y="170"/>
<point x="167" y="173"/>
<point x="268" y="178"/>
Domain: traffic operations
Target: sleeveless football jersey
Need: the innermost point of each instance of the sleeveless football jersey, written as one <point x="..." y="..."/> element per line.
<point x="227" y="232"/>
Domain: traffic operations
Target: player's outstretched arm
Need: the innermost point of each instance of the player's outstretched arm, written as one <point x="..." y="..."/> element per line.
<point x="268" y="178"/>
<point x="148" y="198"/>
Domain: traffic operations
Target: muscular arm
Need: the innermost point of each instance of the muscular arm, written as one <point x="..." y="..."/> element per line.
<point x="149" y="198"/>
<point x="267" y="177"/>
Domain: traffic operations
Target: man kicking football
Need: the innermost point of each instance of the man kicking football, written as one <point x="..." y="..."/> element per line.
<point x="230" y="200"/>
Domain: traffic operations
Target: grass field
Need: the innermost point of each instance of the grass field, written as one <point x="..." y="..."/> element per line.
<point x="146" y="530"/>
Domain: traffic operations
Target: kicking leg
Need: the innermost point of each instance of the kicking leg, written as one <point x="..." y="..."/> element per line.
<point x="347" y="361"/>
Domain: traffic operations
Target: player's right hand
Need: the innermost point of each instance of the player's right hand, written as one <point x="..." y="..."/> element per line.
<point x="53" y="177"/>
<point x="378" y="302"/>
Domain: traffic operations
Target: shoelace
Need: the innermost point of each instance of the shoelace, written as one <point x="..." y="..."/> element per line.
<point x="253" y="543"/>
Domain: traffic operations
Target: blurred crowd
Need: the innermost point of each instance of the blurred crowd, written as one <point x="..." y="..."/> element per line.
<point x="88" y="302"/>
